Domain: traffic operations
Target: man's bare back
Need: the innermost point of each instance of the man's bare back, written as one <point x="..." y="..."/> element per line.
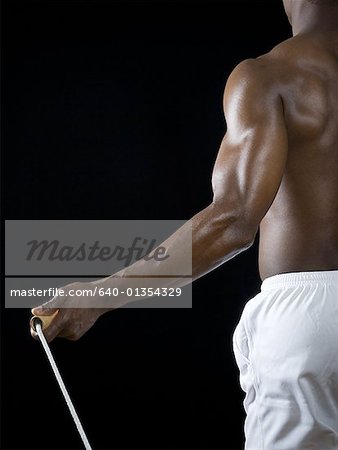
<point x="300" y="230"/>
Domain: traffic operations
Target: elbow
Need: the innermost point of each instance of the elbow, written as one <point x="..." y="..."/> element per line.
<point x="246" y="233"/>
<point x="236" y="227"/>
<point x="249" y="241"/>
<point x="249" y="229"/>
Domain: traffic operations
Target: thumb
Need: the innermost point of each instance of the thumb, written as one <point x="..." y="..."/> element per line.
<point x="43" y="311"/>
<point x="50" y="307"/>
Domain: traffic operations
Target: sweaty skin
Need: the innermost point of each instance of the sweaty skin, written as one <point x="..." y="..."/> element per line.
<point x="276" y="170"/>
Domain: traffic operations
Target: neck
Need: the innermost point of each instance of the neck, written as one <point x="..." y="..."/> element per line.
<point x="307" y="17"/>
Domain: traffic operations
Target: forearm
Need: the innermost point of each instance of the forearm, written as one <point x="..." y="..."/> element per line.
<point x="217" y="236"/>
<point x="203" y="243"/>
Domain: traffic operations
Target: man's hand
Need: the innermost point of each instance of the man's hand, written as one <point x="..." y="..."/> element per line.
<point x="73" y="320"/>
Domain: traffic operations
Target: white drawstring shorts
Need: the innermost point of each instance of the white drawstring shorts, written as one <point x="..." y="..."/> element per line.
<point x="286" y="348"/>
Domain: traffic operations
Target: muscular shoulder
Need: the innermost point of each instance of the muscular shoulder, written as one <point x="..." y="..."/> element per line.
<point x="252" y="85"/>
<point x="268" y="72"/>
<point x="296" y="49"/>
<point x="250" y="73"/>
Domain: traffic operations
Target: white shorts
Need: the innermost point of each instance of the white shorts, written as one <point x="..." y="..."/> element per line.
<point x="286" y="348"/>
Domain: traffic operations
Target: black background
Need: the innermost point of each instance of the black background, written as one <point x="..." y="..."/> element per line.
<point x="113" y="110"/>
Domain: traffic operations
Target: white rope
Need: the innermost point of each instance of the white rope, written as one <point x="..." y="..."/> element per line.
<point x="62" y="386"/>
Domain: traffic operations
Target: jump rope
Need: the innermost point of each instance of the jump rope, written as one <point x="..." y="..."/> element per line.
<point x="39" y="323"/>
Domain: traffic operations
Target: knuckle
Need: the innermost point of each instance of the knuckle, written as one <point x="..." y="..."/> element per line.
<point x="73" y="337"/>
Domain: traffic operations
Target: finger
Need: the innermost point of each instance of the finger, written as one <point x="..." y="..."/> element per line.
<point x="48" y="308"/>
<point x="67" y="334"/>
<point x="74" y="330"/>
<point x="57" y="326"/>
<point x="77" y="331"/>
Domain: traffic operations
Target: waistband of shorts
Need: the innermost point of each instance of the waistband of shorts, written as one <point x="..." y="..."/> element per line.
<point x="300" y="278"/>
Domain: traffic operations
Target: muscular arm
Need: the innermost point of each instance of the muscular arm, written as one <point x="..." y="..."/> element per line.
<point x="246" y="177"/>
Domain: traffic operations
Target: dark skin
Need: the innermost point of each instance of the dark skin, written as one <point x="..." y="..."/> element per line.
<point x="276" y="171"/>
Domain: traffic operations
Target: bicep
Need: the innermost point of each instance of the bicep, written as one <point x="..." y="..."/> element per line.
<point x="252" y="156"/>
